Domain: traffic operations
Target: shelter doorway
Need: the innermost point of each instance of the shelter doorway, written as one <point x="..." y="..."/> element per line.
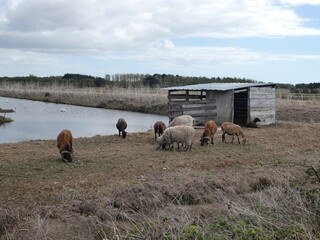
<point x="240" y="114"/>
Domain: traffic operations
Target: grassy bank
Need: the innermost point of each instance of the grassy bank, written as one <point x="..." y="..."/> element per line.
<point x="145" y="100"/>
<point x="119" y="188"/>
<point x="5" y="120"/>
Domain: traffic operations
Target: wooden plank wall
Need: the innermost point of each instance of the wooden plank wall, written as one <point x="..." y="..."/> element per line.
<point x="200" y="110"/>
<point x="191" y="103"/>
<point x="262" y="104"/>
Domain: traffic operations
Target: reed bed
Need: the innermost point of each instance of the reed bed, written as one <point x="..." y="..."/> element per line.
<point x="130" y="99"/>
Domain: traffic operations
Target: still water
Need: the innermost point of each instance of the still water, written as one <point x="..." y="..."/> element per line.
<point x="34" y="120"/>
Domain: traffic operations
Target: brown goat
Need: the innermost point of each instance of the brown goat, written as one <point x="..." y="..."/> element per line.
<point x="210" y="128"/>
<point x="159" y="128"/>
<point x="232" y="129"/>
<point x="121" y="126"/>
<point x="64" y="140"/>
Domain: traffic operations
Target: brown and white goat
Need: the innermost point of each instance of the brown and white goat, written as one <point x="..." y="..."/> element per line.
<point x="232" y="129"/>
<point x="210" y="128"/>
<point x="64" y="140"/>
<point x="159" y="128"/>
<point x="121" y="126"/>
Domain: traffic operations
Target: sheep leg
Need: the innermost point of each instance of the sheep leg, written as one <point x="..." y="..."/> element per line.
<point x="224" y="138"/>
<point x="232" y="138"/>
<point x="212" y="140"/>
<point x="174" y="146"/>
<point x="238" y="139"/>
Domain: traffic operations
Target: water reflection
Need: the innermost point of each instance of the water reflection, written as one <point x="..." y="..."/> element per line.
<point x="35" y="120"/>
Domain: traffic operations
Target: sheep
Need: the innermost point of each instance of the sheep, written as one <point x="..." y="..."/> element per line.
<point x="64" y="145"/>
<point x="121" y="126"/>
<point x="253" y="124"/>
<point x="232" y="129"/>
<point x="159" y="128"/>
<point x="210" y="128"/>
<point x="178" y="134"/>
<point x="182" y="120"/>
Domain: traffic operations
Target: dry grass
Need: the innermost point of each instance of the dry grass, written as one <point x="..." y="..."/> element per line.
<point x="125" y="189"/>
<point x="298" y="110"/>
<point x="131" y="99"/>
<point x="141" y="99"/>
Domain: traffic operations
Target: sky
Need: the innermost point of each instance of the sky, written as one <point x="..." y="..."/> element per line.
<point x="264" y="40"/>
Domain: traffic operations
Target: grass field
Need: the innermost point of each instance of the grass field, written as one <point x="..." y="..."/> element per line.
<point x="127" y="189"/>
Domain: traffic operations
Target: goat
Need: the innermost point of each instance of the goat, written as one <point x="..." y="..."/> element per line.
<point x="64" y="145"/>
<point x="232" y="129"/>
<point x="253" y="124"/>
<point x="121" y="126"/>
<point x="210" y="128"/>
<point x="159" y="128"/>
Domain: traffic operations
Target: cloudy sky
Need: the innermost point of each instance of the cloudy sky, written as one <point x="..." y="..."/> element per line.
<point x="265" y="40"/>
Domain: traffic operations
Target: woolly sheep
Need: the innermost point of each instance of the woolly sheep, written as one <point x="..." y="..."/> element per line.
<point x="210" y="128"/>
<point x="178" y="134"/>
<point x="232" y="129"/>
<point x="182" y="120"/>
<point x="159" y="128"/>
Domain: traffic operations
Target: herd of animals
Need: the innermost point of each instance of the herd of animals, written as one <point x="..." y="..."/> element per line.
<point x="179" y="131"/>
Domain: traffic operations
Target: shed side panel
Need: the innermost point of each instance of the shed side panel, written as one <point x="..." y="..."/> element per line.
<point x="224" y="105"/>
<point x="262" y="104"/>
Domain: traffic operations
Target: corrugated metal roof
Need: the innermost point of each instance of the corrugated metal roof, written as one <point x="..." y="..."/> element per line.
<point x="220" y="86"/>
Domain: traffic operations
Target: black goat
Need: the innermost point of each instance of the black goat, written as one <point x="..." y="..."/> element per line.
<point x="121" y="126"/>
<point x="253" y="124"/>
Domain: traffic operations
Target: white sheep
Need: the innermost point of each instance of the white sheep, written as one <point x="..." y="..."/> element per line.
<point x="178" y="134"/>
<point x="232" y="129"/>
<point x="182" y="120"/>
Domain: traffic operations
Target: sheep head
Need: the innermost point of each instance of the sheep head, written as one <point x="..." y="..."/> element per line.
<point x="245" y="140"/>
<point x="66" y="156"/>
<point x="124" y="134"/>
<point x="204" y="140"/>
<point x="161" y="142"/>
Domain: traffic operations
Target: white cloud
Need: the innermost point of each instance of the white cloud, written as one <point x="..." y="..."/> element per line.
<point x="160" y="55"/>
<point x="300" y="2"/>
<point x="81" y="26"/>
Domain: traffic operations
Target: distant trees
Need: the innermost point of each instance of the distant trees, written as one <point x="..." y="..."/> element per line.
<point x="301" y="87"/>
<point x="143" y="80"/>
<point x="77" y="80"/>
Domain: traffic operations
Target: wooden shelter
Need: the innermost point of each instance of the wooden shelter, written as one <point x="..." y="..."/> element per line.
<point x="224" y="102"/>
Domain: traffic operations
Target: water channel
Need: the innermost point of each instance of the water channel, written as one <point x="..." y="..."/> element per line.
<point x="35" y="120"/>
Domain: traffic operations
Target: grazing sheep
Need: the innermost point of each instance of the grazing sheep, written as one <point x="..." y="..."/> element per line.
<point x="121" y="126"/>
<point x="64" y="140"/>
<point x="178" y="134"/>
<point x="210" y="128"/>
<point x="232" y="129"/>
<point x="159" y="128"/>
<point x="182" y="120"/>
<point x="253" y="124"/>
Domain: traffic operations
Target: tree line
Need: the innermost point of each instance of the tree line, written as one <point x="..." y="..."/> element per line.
<point x="142" y="80"/>
<point x="120" y="80"/>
